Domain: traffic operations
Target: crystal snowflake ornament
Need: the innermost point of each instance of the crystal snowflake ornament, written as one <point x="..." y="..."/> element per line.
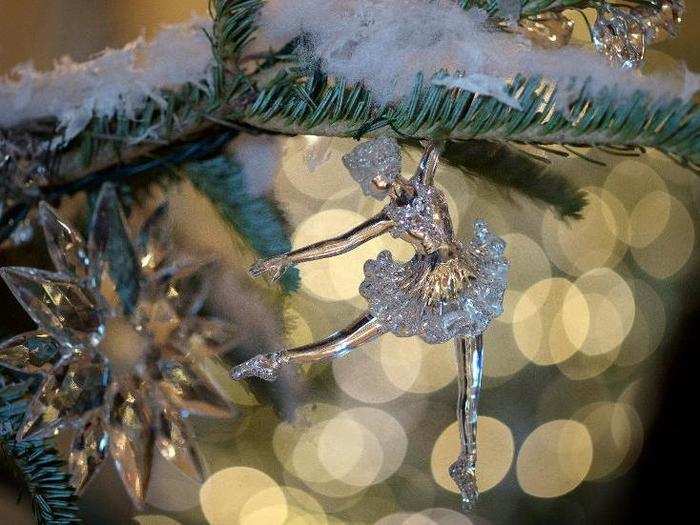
<point x="121" y="352"/>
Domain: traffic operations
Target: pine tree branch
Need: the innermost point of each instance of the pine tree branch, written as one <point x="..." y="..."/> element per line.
<point x="319" y="106"/>
<point x="33" y="464"/>
<point x="257" y="219"/>
<point x="167" y="158"/>
<point x="514" y="170"/>
<point x="281" y="97"/>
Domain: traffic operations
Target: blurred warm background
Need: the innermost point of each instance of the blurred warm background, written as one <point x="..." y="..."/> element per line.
<point x="585" y="404"/>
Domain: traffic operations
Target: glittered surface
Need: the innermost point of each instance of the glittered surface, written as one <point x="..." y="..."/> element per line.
<point x="572" y="372"/>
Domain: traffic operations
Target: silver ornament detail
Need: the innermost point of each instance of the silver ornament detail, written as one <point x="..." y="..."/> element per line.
<point x="620" y="36"/>
<point x="623" y="34"/>
<point x="662" y="23"/>
<point x="547" y="30"/>
<point x="25" y="166"/>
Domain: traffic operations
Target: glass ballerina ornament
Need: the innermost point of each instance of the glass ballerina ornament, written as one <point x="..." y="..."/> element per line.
<point x="448" y="290"/>
<point x="122" y="355"/>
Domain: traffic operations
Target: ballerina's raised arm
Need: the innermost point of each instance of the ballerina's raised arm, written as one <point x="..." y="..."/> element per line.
<point x="273" y="268"/>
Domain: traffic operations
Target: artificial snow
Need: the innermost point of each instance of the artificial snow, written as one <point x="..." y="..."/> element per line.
<point x="259" y="157"/>
<point x="384" y="44"/>
<point x="115" y="80"/>
<point x="482" y="84"/>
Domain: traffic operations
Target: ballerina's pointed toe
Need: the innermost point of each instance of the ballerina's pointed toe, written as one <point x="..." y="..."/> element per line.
<point x="264" y="366"/>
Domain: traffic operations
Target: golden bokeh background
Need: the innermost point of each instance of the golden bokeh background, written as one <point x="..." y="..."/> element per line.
<point x="569" y="366"/>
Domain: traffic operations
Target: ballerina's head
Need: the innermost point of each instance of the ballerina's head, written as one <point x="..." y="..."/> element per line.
<point x="375" y="165"/>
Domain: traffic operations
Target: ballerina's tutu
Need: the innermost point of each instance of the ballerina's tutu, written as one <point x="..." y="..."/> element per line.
<point x="439" y="298"/>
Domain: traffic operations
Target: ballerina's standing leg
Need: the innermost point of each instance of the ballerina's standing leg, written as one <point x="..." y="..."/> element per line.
<point x="469" y="351"/>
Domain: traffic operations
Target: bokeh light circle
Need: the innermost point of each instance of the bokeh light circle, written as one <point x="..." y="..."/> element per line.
<point x="360" y="374"/>
<point x="313" y="165"/>
<point x="554" y="459"/>
<point x="504" y="359"/>
<point x="438" y="516"/>
<point x="171" y="490"/>
<point x="616" y="433"/>
<point x="324" y="278"/>
<point x="649" y="218"/>
<point x="576" y="247"/>
<point x="649" y="326"/>
<point x="612" y="306"/>
<point x="550" y="321"/>
<point x="413" y="365"/>
<point x="669" y="252"/>
<point x="528" y="262"/>
<point x="631" y="180"/>
<point x="233" y="495"/>
<point x="155" y="519"/>
<point x="349" y="451"/>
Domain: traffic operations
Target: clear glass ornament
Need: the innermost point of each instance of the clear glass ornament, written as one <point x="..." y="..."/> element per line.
<point x="448" y="290"/>
<point x="548" y="30"/>
<point x="662" y="23"/>
<point x="119" y="346"/>
<point x="620" y="35"/>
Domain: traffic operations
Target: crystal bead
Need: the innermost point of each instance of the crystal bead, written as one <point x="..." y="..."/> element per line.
<point x="75" y="386"/>
<point x="131" y="437"/>
<point x="174" y="441"/>
<point x="619" y="34"/>
<point x="154" y="241"/>
<point x="548" y="30"/>
<point x="190" y="389"/>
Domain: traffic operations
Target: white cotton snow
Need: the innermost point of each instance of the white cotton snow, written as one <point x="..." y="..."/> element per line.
<point x="385" y="43"/>
<point x="115" y="80"/>
<point x="259" y="157"/>
<point x="482" y="84"/>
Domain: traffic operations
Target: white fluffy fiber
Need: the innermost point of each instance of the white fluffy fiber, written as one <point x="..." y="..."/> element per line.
<point x="381" y="43"/>
<point x="385" y="43"/>
<point x="259" y="157"/>
<point x="116" y="79"/>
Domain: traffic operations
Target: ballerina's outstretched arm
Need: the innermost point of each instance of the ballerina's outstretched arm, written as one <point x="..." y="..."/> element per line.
<point x="274" y="268"/>
<point x="364" y="329"/>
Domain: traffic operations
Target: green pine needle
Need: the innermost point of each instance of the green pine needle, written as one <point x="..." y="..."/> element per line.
<point x="34" y="464"/>
<point x="257" y="219"/>
<point x="514" y="170"/>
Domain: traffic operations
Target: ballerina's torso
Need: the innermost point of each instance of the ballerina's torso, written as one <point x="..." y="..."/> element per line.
<point x="422" y="219"/>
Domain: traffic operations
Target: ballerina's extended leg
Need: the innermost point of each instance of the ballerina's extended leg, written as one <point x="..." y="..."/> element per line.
<point x="470" y="365"/>
<point x="266" y="366"/>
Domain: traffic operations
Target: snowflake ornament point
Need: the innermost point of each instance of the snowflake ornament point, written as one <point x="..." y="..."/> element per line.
<point x="65" y="245"/>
